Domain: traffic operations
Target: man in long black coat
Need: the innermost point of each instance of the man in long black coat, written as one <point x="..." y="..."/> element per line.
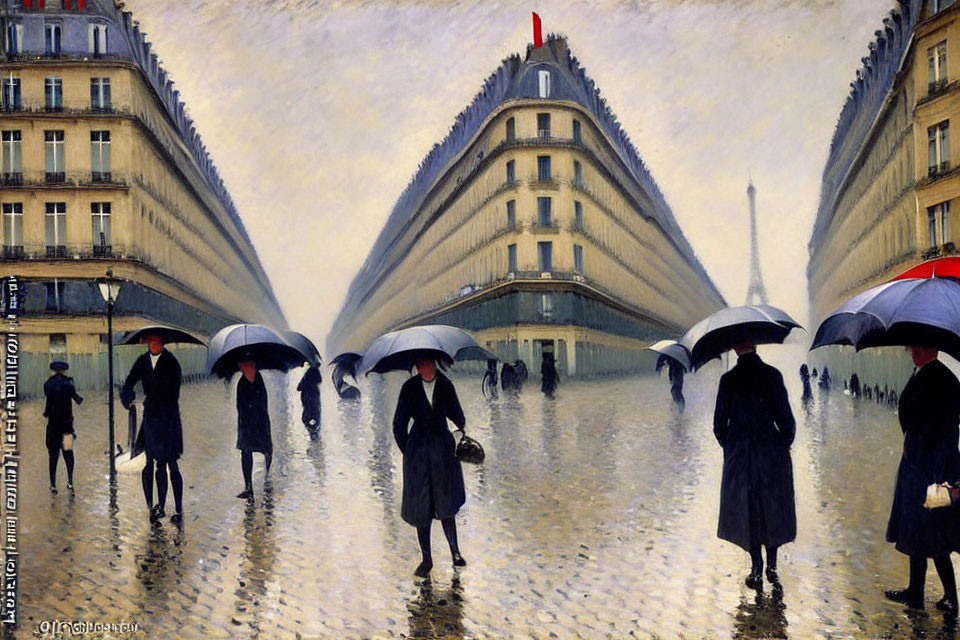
<point x="675" y="373"/>
<point x="60" y="394"/>
<point x="309" y="389"/>
<point x="253" y="423"/>
<point x="432" y="475"/>
<point x="160" y="374"/>
<point x="755" y="426"/>
<point x="929" y="413"/>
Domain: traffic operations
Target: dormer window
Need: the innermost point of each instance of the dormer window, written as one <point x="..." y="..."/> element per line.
<point x="544" y="83"/>
<point x="97" y="39"/>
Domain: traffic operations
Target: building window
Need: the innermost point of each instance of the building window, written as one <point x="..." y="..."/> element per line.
<point x="543" y="125"/>
<point x="577" y="137"/>
<point x="100" y="156"/>
<point x="938" y="223"/>
<point x="97" y="39"/>
<point x="545" y="256"/>
<point x="577" y="173"/>
<point x="14" y="38"/>
<point x="511" y="214"/>
<point x="512" y="258"/>
<point x="937" y="66"/>
<point x="58" y="341"/>
<point x="543" y="211"/>
<point x="543" y="168"/>
<point x="12" y="167"/>
<point x="53" y="92"/>
<point x="545" y="307"/>
<point x="52" y="42"/>
<point x="100" y="94"/>
<point x="12" y="227"/>
<point x="938" y="147"/>
<point x="511" y="171"/>
<point x="100" y="211"/>
<point x="544" y="83"/>
<point x="53" y="141"/>
<point x="940" y="5"/>
<point x="11" y="93"/>
<point x="578" y="258"/>
<point x="578" y="215"/>
<point x="511" y="130"/>
<point x="56" y="229"/>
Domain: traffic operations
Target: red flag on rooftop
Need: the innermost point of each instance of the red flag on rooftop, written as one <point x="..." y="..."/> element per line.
<point x="537" y="34"/>
<point x="81" y="4"/>
<point x="40" y="4"/>
<point x="27" y="3"/>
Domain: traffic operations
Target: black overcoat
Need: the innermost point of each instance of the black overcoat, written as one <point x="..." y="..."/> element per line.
<point x="60" y="394"/>
<point x="755" y="426"/>
<point x="309" y="389"/>
<point x="432" y="475"/>
<point x="162" y="430"/>
<point x="253" y="418"/>
<point x="929" y="414"/>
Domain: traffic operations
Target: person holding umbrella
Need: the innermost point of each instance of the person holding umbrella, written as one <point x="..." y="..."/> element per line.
<point x="309" y="388"/>
<point x="253" y="422"/>
<point x="58" y="411"/>
<point x="929" y="413"/>
<point x="432" y="476"/>
<point x="549" y="378"/>
<point x="160" y="374"/>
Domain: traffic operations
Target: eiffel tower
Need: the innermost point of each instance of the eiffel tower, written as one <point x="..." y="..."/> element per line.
<point x="756" y="288"/>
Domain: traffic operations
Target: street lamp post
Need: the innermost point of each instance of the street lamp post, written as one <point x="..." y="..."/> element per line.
<point x="109" y="289"/>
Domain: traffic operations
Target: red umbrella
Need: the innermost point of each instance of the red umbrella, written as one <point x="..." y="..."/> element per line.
<point x="939" y="267"/>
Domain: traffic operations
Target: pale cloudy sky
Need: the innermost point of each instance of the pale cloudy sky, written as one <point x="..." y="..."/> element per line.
<point x="317" y="114"/>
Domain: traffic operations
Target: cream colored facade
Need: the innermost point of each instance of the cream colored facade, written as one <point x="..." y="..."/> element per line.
<point x="454" y="251"/>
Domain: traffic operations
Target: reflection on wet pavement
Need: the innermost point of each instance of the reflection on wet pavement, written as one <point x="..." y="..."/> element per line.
<point x="593" y="516"/>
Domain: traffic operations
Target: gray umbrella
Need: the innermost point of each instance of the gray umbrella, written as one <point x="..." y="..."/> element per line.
<point x="396" y="351"/>
<point x="304" y="345"/>
<point x="671" y="349"/>
<point x="168" y="334"/>
<point x="250" y="342"/>
<point x="730" y="326"/>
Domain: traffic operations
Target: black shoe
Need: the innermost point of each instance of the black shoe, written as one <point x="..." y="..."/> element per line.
<point x="754" y="580"/>
<point x="906" y="596"/>
<point x="423" y="570"/>
<point x="246" y="494"/>
<point x="53" y="489"/>
<point x="70" y="487"/>
<point x="177" y="518"/>
<point x="772" y="576"/>
<point x="458" y="560"/>
<point x="947" y="605"/>
<point x="156" y="514"/>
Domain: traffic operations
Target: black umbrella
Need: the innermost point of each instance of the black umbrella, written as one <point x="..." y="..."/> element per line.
<point x="168" y="334"/>
<point x="396" y="350"/>
<point x="304" y="345"/>
<point x="723" y="330"/>
<point x="250" y="342"/>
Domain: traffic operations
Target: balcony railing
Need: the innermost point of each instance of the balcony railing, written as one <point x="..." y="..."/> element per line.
<point x="27" y="56"/>
<point x="53" y="108"/>
<point x="40" y="179"/>
<point x="70" y="107"/>
<point x="935" y="170"/>
<point x="75" y="251"/>
<point x="937" y="86"/>
<point x="13" y="252"/>
<point x="57" y="251"/>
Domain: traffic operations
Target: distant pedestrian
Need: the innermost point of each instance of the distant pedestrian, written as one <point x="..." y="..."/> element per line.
<point x="489" y="382"/>
<point x="929" y="413"/>
<point x="549" y="378"/>
<point x="432" y="476"/>
<point x="675" y="373"/>
<point x="253" y="423"/>
<point x="755" y="426"/>
<point x="825" y="380"/>
<point x="509" y="379"/>
<point x="309" y="389"/>
<point x="814" y="372"/>
<point x="855" y="385"/>
<point x="805" y="380"/>
<point x="58" y="411"/>
<point x="158" y="371"/>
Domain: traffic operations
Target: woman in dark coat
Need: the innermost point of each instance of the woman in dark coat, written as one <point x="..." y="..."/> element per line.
<point x="159" y="373"/>
<point x="253" y="423"/>
<point x="58" y="411"/>
<point x="432" y="476"/>
<point x="548" y="375"/>
<point x="755" y="426"/>
<point x="929" y="413"/>
<point x="309" y="389"/>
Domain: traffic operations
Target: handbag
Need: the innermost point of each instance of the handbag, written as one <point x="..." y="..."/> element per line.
<point x="941" y="495"/>
<point x="469" y="450"/>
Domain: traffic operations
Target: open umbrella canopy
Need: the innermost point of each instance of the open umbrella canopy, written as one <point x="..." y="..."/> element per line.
<point x="396" y="351"/>
<point x="723" y="330"/>
<point x="250" y="342"/>
<point x="911" y="312"/>
<point x="168" y="334"/>
<point x="671" y="349"/>
<point x="304" y="345"/>
<point x="939" y="267"/>
<point x="474" y="353"/>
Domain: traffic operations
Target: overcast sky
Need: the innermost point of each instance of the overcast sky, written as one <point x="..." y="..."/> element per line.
<point x="318" y="113"/>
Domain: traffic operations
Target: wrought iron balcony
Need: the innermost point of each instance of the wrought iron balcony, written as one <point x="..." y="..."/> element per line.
<point x="13" y="252"/>
<point x="57" y="251"/>
<point x="43" y="179"/>
<point x="12" y="179"/>
<point x="55" y="177"/>
<point x="69" y="251"/>
<point x="102" y="251"/>
<point x="100" y="177"/>
<point x="937" y="86"/>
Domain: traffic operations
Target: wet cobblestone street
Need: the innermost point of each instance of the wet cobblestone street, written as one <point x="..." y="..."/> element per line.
<point x="594" y="516"/>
